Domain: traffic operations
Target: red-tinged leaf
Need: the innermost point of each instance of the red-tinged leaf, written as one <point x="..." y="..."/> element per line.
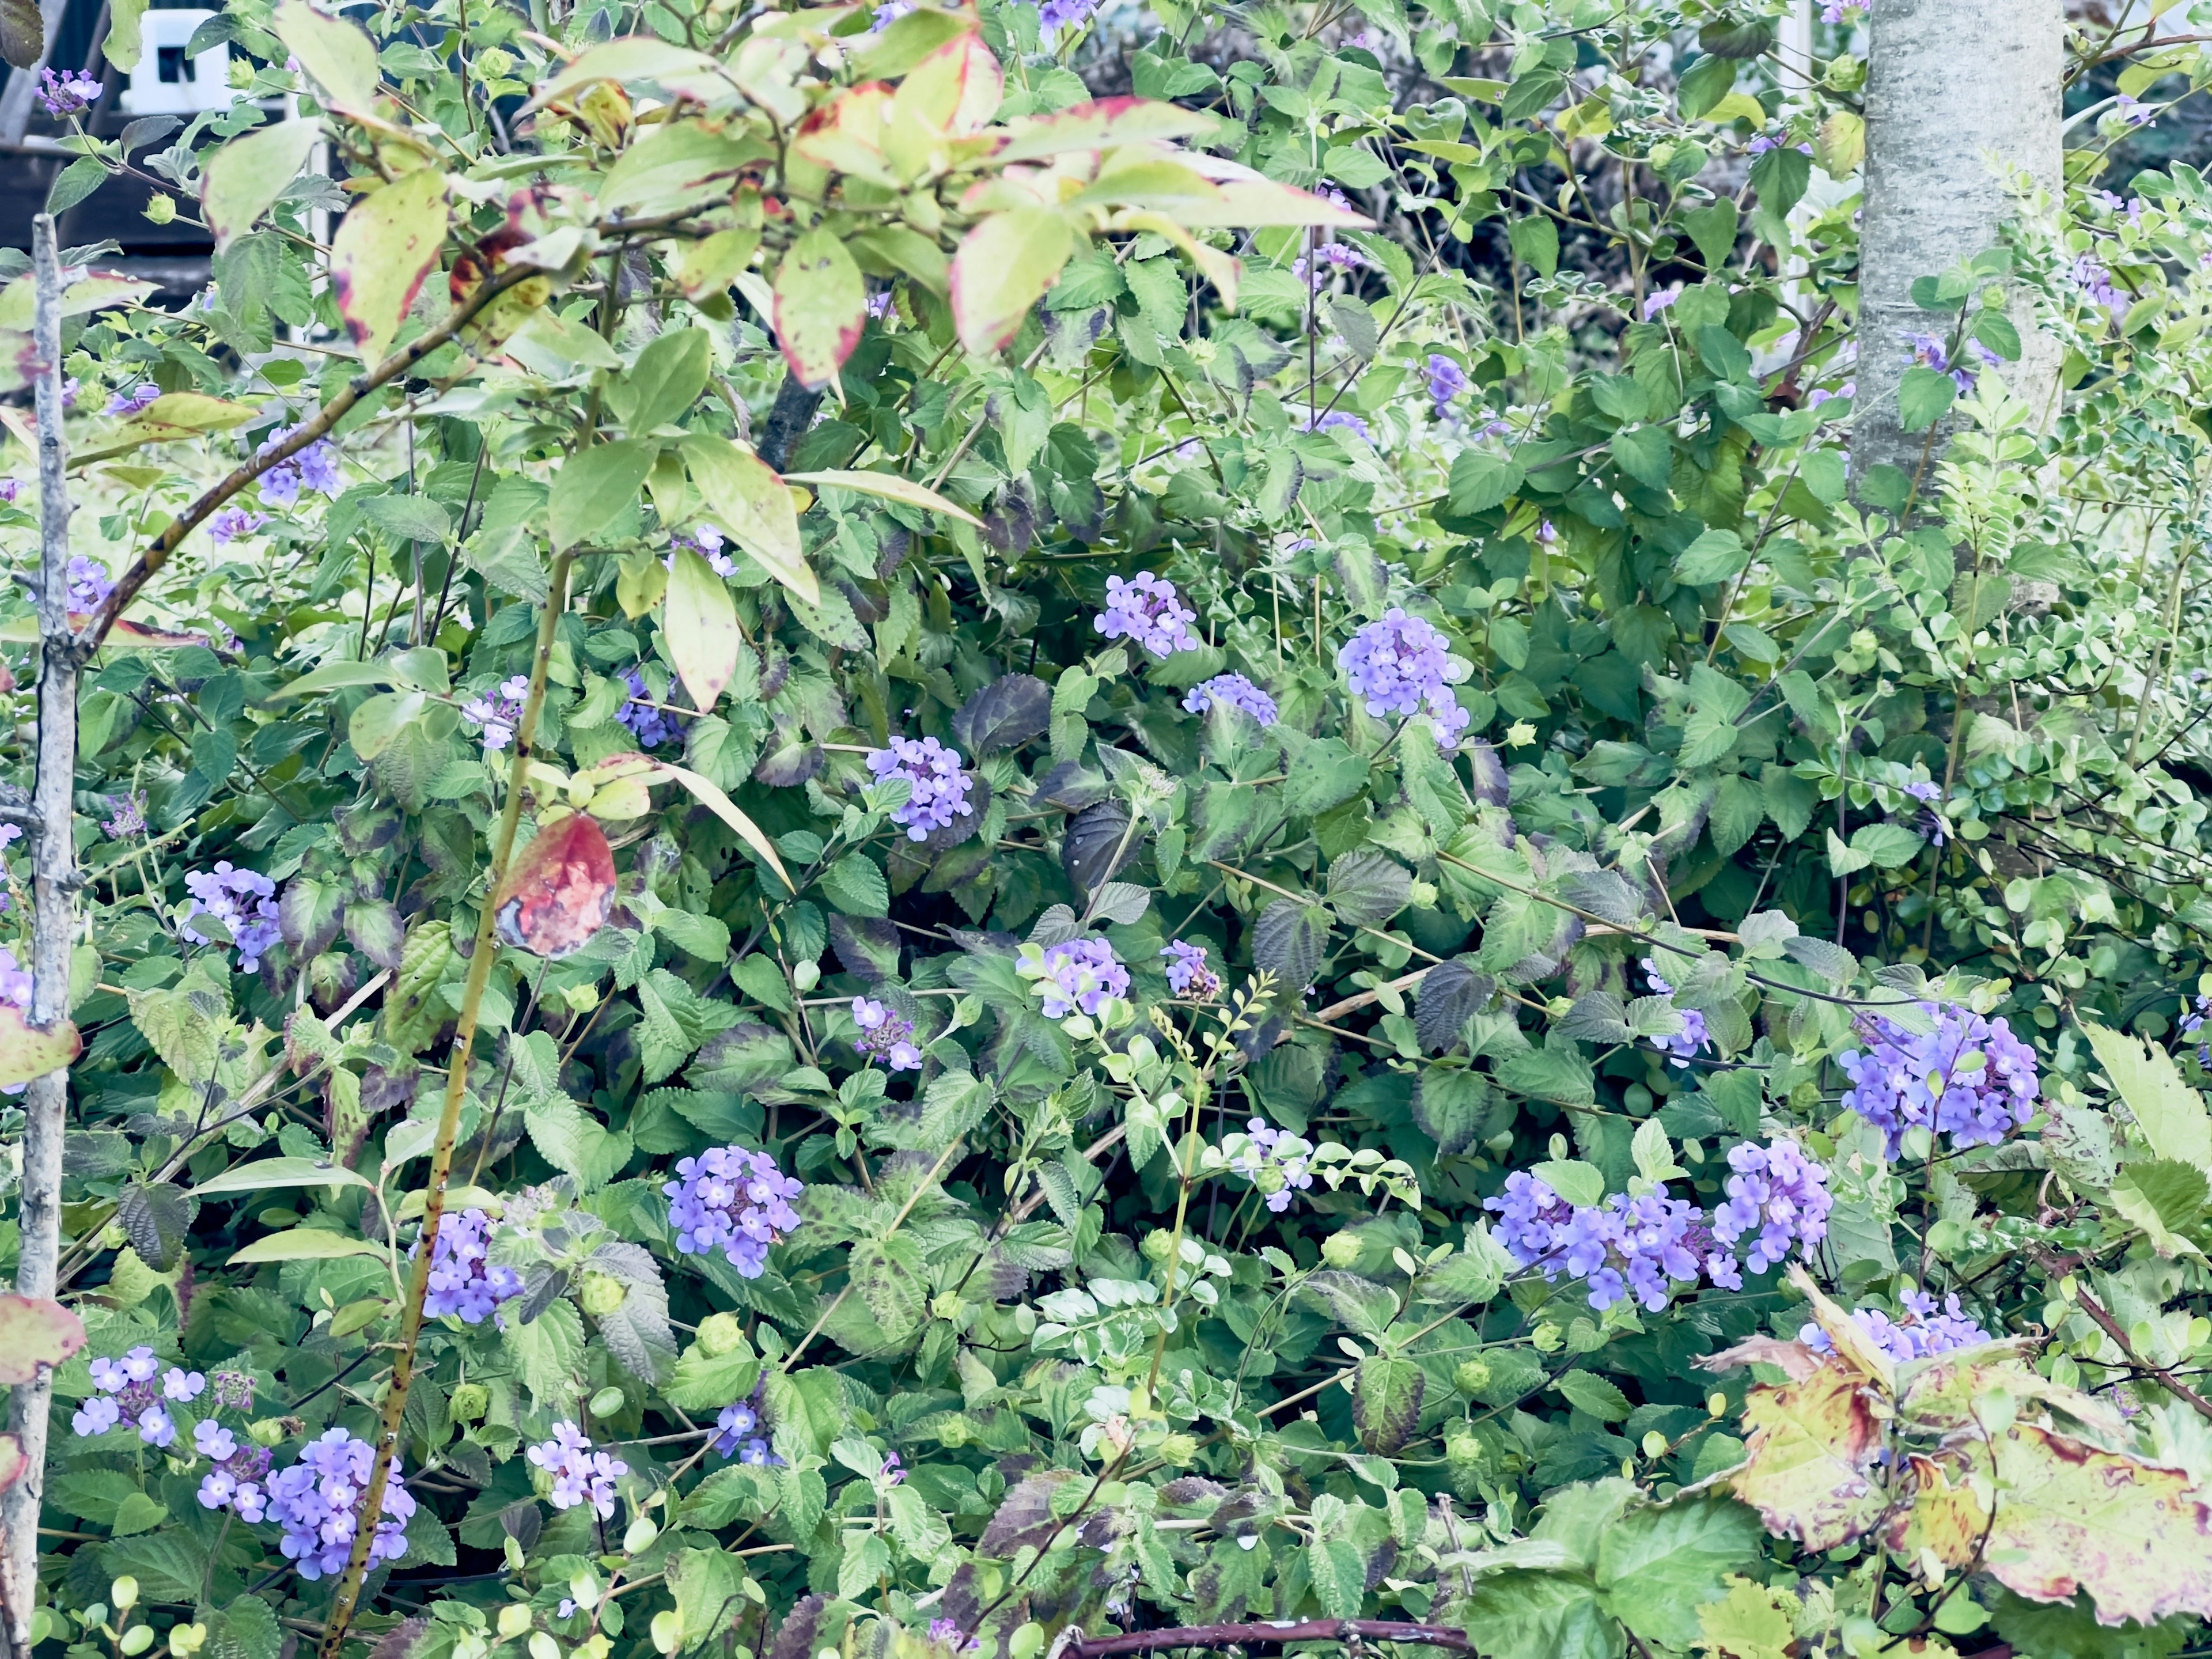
<point x="633" y="57"/>
<point x="846" y="135"/>
<point x="820" y="306"/>
<point x="245" y="177"/>
<point x="22" y="36"/>
<point x="1004" y="267"/>
<point x="27" y="1052"/>
<point x="35" y="1331"/>
<point x="388" y="244"/>
<point x="557" y="894"/>
<point x="12" y="1460"/>
<point x="701" y="625"/>
<point x="1095" y="125"/>
<point x="954" y="92"/>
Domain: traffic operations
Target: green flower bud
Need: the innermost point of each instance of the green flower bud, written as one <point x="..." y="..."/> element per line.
<point x="1472" y="1377"/>
<point x="1157" y="1244"/>
<point x="469" y="1403"/>
<point x="603" y="1294"/>
<point x="1341" y="1249"/>
<point x="720" y="1333"/>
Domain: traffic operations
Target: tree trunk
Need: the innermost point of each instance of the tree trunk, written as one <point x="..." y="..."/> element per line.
<point x="53" y="924"/>
<point x="23" y="83"/>
<point x="1955" y="89"/>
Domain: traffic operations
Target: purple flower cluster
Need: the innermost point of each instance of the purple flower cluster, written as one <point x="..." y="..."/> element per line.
<point x="88" y="583"/>
<point x="130" y="818"/>
<point x="67" y="93"/>
<point x="227" y="525"/>
<point x="1235" y="690"/>
<point x="128" y="1394"/>
<point x="1684" y="1045"/>
<point x="2192" y="1023"/>
<point x="1924" y="1331"/>
<point x="2095" y="282"/>
<point x="1840" y="11"/>
<point x="1397" y="665"/>
<point x="1077" y="973"/>
<point x="1929" y="352"/>
<point x="1149" y="610"/>
<point x="1663" y="300"/>
<point x="236" y="1481"/>
<point x="130" y="402"/>
<point x="740" y="1433"/>
<point x="1969" y="1077"/>
<point x="1340" y="420"/>
<point x="648" y="722"/>
<point x="885" y="1035"/>
<point x="733" y="1200"/>
<point x="497" y="715"/>
<point x="318" y="1499"/>
<point x="461" y="1280"/>
<point x="316" y="466"/>
<point x="1329" y="258"/>
<point x="948" y="1630"/>
<point x="939" y="786"/>
<point x="707" y="542"/>
<point x="1643" y="1246"/>
<point x="580" y="1475"/>
<point x="1288" y="1156"/>
<point x="1188" y="974"/>
<point x="1779" y="1190"/>
<point x="1056" y="14"/>
<point x="244" y="902"/>
<point x="1447" y="380"/>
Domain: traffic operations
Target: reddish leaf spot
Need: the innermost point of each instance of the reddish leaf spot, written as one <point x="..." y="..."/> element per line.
<point x="34" y="1331"/>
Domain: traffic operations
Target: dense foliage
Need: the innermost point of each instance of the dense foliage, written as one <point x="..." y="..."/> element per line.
<point x="1300" y="915"/>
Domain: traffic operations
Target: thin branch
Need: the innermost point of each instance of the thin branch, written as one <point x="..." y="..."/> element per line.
<point x="1260" y="1634"/>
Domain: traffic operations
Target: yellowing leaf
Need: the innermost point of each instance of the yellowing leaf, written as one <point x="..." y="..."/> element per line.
<point x="337" y="55"/>
<point x="820" y="306"/>
<point x="303" y="1244"/>
<point x="887" y="486"/>
<point x="1005" y="265"/>
<point x="954" y="91"/>
<point x="2070" y="1516"/>
<point x="27" y="1052"/>
<point x="1750" y="1622"/>
<point x="633" y="58"/>
<point x="1805" y="1469"/>
<point x="246" y="175"/>
<point x="2169" y="1112"/>
<point x="701" y="625"/>
<point x="387" y="245"/>
<point x="1095" y="126"/>
<point x="675" y="167"/>
<point x="746" y="498"/>
<point x="35" y="1331"/>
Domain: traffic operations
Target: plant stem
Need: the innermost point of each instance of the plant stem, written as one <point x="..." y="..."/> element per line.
<point x="54" y="885"/>
<point x="347" y="1595"/>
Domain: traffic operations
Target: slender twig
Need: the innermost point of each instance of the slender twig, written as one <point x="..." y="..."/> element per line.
<point x="1268" y="1634"/>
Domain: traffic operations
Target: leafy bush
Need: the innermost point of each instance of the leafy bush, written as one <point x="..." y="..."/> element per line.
<point x="1119" y="864"/>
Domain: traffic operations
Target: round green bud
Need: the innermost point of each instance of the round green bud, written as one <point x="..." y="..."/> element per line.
<point x="1472" y="1377"/>
<point x="1157" y="1244"/>
<point x="1341" y="1249"/>
<point x="720" y="1333"/>
<point x="469" y="1403"/>
<point x="603" y="1294"/>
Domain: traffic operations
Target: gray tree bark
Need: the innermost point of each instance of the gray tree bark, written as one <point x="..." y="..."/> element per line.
<point x="23" y="83"/>
<point x="1960" y="93"/>
<point x="53" y="923"/>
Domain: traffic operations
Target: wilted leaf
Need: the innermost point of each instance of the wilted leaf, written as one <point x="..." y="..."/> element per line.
<point x="1004" y="714"/>
<point x="35" y="1331"/>
<point x="27" y="1052"/>
<point x="1809" y="1445"/>
<point x="388" y="243"/>
<point x="555" y="895"/>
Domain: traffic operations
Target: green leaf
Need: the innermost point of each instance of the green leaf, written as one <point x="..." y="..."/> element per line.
<point x="1717" y="555"/>
<point x="1887" y="845"/>
<point x="1536" y="242"/>
<point x="1713" y="226"/>
<point x="1540" y="1615"/>
<point x="1661" y="1562"/>
<point x="2170" y="1114"/>
<point x="591" y="490"/>
<point x="339" y="57"/>
<point x="1925" y="397"/>
<point x="748" y="499"/>
<point x="74" y="183"/>
<point x="387" y="245"/>
<point x="1703" y="85"/>
<point x="1322" y="774"/>
<point x="666" y="380"/>
<point x="1481" y="481"/>
<point x="676" y="166"/>
<point x="546" y="1353"/>
<point x="1005" y="263"/>
<point x="244" y="179"/>
<point x="1592" y="1393"/>
<point x="856" y="886"/>
<point x="705" y="1583"/>
<point x="1996" y="330"/>
<point x="270" y="1173"/>
<point x="379" y="721"/>
<point x="2162" y="1197"/>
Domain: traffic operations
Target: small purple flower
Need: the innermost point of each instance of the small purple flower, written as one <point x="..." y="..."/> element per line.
<point x="1148" y="610"/>
<point x="462" y="1281"/>
<point x="1842" y="11"/>
<point x="648" y="721"/>
<point x="1235" y="690"/>
<point x="1447" y="380"/>
<point x="1656" y="303"/>
<point x="707" y="542"/>
<point x="1397" y="665"/>
<point x="1327" y="259"/>
<point x="734" y="1200"/>
<point x="67" y="93"/>
<point x="1076" y="973"/>
<point x="315" y="467"/>
<point x="317" y="1501"/>
<point x="1188" y="974"/>
<point x="1969" y="1078"/>
<point x="97" y="1415"/>
<point x="130" y="402"/>
<point x="212" y="1439"/>
<point x="1277" y="1162"/>
<point x="246" y="904"/>
<point x="948" y="1630"/>
<point x="88" y="583"/>
<point x="2095" y="282"/>
<point x="9" y="489"/>
<point x="2136" y="115"/>
<point x="156" y="1427"/>
<point x="885" y="1035"/>
<point x="1057" y="14"/>
<point x="1924" y="1331"/>
<point x="227" y="525"/>
<point x="581" y="1475"/>
<point x="1821" y="394"/>
<point x="497" y="716"/>
<point x="1929" y="353"/>
<point x="940" y="787"/>
<point x="1684" y="1045"/>
<point x="739" y="1431"/>
<point x="1338" y="419"/>
<point x="183" y="1386"/>
<point x="234" y="1390"/>
<point x="888" y="13"/>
